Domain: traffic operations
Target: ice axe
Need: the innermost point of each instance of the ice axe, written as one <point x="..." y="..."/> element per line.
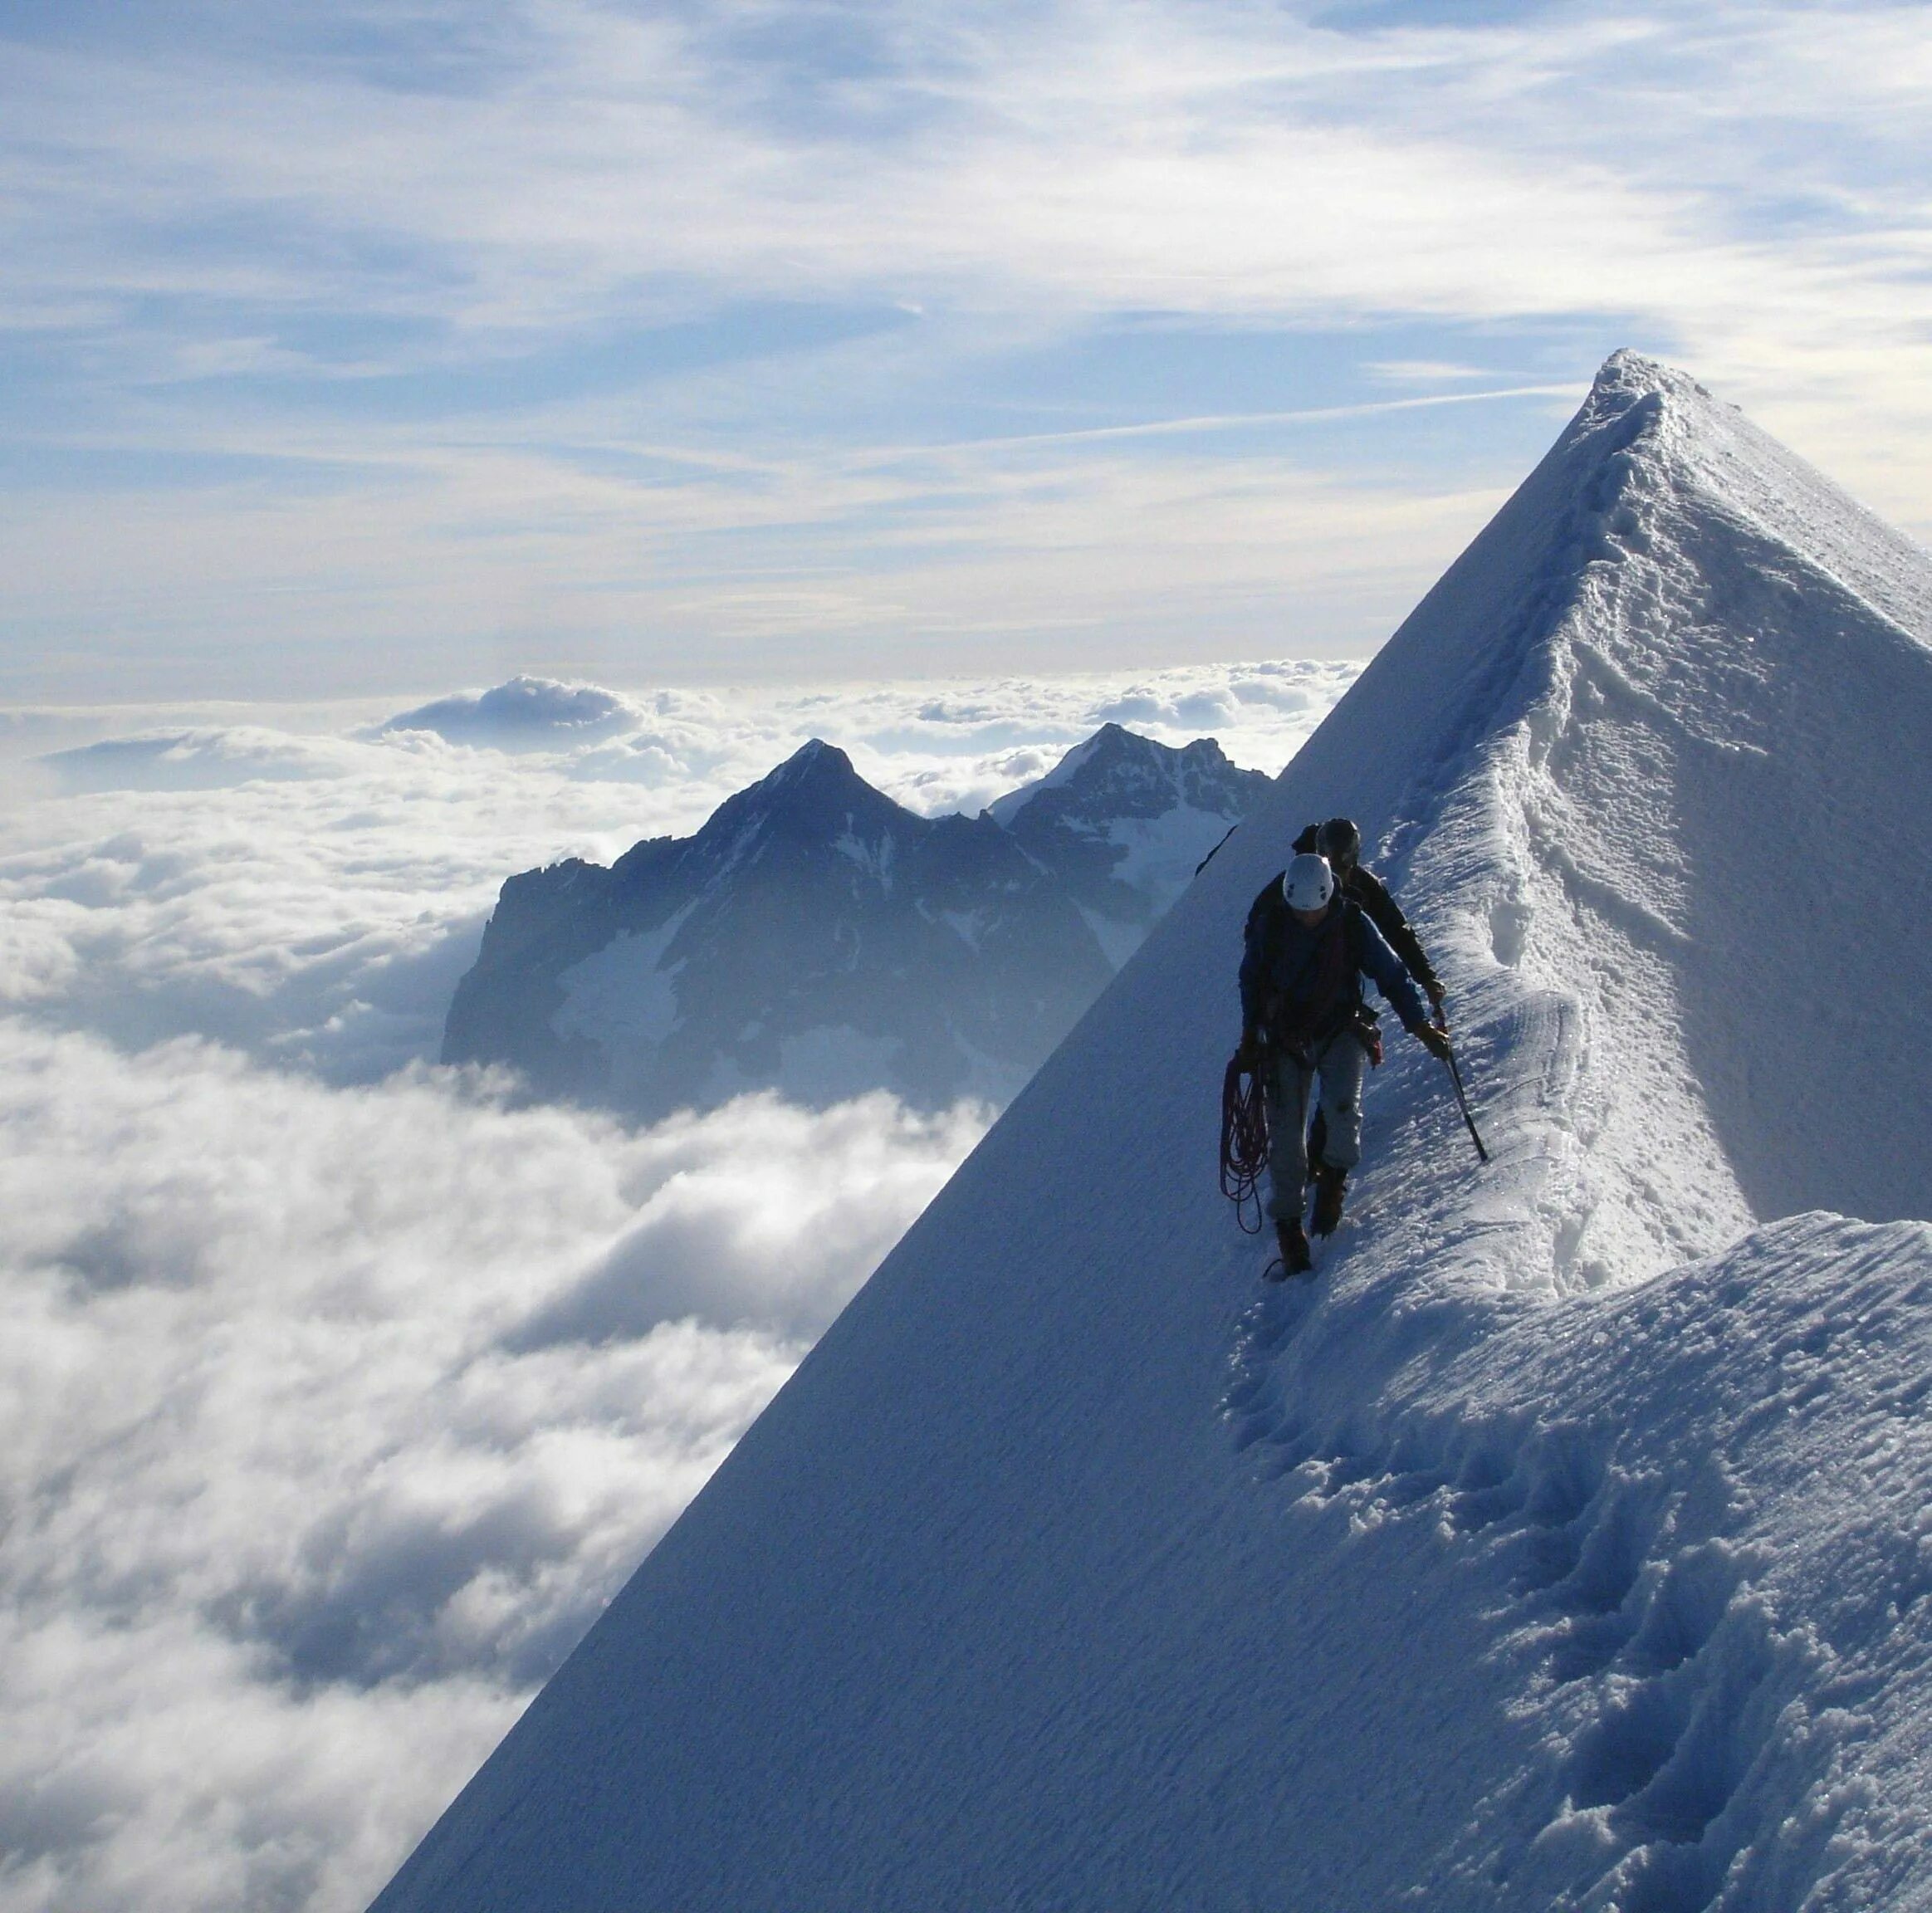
<point x="1462" y="1095"/>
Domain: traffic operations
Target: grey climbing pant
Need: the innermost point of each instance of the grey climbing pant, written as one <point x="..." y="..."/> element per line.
<point x="1339" y="1066"/>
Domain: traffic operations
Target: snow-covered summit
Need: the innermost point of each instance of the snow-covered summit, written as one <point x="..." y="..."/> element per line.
<point x="1563" y="1545"/>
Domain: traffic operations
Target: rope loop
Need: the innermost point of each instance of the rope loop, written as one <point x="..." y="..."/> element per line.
<point x="1244" y="1140"/>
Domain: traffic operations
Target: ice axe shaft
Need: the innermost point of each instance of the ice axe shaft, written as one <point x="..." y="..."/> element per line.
<point x="1462" y="1098"/>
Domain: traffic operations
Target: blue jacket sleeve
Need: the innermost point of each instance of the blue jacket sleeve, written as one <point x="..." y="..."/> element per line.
<point x="1383" y="964"/>
<point x="1251" y="978"/>
<point x="1254" y="957"/>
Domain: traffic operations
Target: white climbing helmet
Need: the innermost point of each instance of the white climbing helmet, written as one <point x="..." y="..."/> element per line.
<point x="1309" y="882"/>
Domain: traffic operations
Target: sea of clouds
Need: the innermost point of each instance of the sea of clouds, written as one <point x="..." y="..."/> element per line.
<point x="341" y="1390"/>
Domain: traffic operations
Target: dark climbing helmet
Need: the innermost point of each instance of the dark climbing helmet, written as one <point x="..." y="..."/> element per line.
<point x="1340" y="842"/>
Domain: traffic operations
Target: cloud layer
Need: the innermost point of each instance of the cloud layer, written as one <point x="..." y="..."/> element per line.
<point x="332" y="1417"/>
<point x="312" y="897"/>
<point x="337" y="1395"/>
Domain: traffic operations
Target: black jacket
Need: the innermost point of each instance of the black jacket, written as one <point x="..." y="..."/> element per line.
<point x="1364" y="888"/>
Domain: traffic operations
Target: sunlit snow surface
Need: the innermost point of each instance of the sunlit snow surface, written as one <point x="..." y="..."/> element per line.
<point x="1564" y="1544"/>
<point x="335" y="1397"/>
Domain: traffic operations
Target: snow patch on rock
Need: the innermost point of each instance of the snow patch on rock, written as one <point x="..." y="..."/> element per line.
<point x="619" y="996"/>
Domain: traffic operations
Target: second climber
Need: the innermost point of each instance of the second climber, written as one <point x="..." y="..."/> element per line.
<point x="1305" y="1027"/>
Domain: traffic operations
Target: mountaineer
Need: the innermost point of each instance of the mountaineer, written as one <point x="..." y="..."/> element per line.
<point x="1340" y="841"/>
<point x="1306" y="949"/>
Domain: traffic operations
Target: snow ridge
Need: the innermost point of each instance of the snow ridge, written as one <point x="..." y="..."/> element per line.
<point x="1562" y="1545"/>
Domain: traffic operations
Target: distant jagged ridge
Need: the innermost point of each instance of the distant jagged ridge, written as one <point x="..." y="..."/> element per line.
<point x="817" y="937"/>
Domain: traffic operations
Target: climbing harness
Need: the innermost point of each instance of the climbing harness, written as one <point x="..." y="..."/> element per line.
<point x="1244" y="1139"/>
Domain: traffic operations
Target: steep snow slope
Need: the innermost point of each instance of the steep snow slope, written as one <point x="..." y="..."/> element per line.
<point x="1564" y="1545"/>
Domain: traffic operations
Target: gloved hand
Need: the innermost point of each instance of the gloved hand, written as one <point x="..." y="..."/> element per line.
<point x="1248" y="1055"/>
<point x="1434" y="1039"/>
<point x="1433" y="991"/>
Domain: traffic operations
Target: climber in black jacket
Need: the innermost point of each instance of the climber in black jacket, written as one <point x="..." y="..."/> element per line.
<point x="1306" y="949"/>
<point x="1340" y="842"/>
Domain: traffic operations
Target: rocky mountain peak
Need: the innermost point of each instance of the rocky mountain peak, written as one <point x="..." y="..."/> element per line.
<point x="812" y="921"/>
<point x="815" y="798"/>
<point x="815" y="775"/>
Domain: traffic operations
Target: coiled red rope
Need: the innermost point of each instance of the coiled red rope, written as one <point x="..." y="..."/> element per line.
<point x="1244" y="1140"/>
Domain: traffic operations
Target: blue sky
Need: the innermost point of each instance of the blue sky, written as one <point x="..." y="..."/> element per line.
<point x="381" y="348"/>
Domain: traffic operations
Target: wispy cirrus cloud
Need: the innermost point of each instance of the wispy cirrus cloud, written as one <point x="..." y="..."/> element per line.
<point x="562" y="320"/>
<point x="567" y="157"/>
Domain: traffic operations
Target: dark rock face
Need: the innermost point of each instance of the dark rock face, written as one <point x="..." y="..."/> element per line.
<point x="1122" y="821"/>
<point x="816" y="937"/>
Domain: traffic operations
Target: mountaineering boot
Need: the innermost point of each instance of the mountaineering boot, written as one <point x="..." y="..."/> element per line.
<point x="1329" y="1187"/>
<point x="1295" y="1259"/>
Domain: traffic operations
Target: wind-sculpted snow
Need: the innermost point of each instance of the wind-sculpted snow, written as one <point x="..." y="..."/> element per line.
<point x="1699" y="1505"/>
<point x="1563" y="1545"/>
